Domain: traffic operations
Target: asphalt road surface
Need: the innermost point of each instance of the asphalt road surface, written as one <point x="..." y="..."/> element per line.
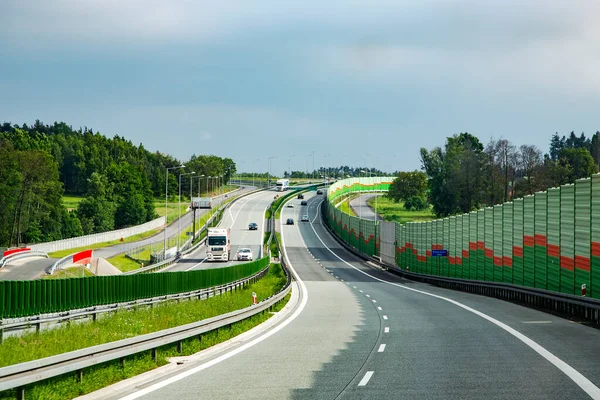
<point x="238" y="216"/>
<point x="33" y="268"/>
<point x="360" y="206"/>
<point x="363" y="333"/>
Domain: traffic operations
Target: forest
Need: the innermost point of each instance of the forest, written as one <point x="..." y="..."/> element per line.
<point x="118" y="180"/>
<point x="465" y="175"/>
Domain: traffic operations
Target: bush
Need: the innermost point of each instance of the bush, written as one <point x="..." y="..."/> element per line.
<point x="416" y="203"/>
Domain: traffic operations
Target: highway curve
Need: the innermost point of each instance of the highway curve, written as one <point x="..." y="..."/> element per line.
<point x="237" y="217"/>
<point x="34" y="268"/>
<point x="364" y="334"/>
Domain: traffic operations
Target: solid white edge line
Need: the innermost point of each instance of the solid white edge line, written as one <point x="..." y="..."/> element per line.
<point x="381" y="348"/>
<point x="240" y="349"/>
<point x="366" y="378"/>
<point x="592" y="390"/>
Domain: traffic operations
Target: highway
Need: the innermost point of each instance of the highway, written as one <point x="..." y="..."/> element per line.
<point x="358" y="332"/>
<point x="245" y="210"/>
<point x="360" y="206"/>
<point x="33" y="268"/>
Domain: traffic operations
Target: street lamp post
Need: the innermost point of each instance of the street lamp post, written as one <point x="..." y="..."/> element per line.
<point x="269" y="173"/>
<point x="179" y="210"/>
<point x="313" y="156"/>
<point x="166" y="206"/>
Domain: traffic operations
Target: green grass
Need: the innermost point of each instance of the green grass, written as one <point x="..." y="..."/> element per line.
<point x="345" y="207"/>
<point x="71" y="202"/>
<point x="125" y="263"/>
<point x="124" y="324"/>
<point x="395" y="212"/>
<point x="73" y="272"/>
<point x="134" y="238"/>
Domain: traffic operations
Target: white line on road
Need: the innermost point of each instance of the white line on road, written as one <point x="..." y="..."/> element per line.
<point x="354" y="287"/>
<point x="387" y="329"/>
<point x="536" y="322"/>
<point x="381" y="348"/>
<point x="380" y="309"/>
<point x="361" y="291"/>
<point x="368" y="295"/>
<point x="592" y="390"/>
<point x="366" y="378"/>
<point x="385" y="317"/>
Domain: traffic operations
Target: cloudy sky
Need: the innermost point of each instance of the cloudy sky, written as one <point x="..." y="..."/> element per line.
<point x="356" y="82"/>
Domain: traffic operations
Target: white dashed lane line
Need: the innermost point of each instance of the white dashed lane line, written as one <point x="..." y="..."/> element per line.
<point x="387" y="329"/>
<point x="381" y="348"/>
<point x="385" y="317"/>
<point x="380" y="309"/>
<point x="366" y="378"/>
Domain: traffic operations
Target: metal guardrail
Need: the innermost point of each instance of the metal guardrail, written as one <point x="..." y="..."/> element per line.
<point x="12" y="324"/>
<point x="20" y="255"/>
<point x="19" y="375"/>
<point x="561" y="304"/>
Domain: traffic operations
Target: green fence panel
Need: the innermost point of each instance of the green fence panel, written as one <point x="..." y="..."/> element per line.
<point x="444" y="261"/>
<point x="451" y="247"/>
<point x="458" y="259"/>
<point x="481" y="244"/>
<point x="498" y="233"/>
<point x="473" y="254"/>
<point x="540" y="239"/>
<point x="567" y="238"/>
<point x="464" y="247"/>
<point x="507" y="242"/>
<point x="489" y="243"/>
<point x="594" y="290"/>
<point x="518" y="241"/>
<point x="528" y="241"/>
<point x="553" y="251"/>
<point x="582" y="233"/>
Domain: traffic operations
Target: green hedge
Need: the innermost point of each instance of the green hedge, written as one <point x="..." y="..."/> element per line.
<point x="26" y="298"/>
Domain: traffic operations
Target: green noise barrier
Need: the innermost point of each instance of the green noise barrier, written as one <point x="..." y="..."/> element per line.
<point x="27" y="298"/>
<point x="549" y="240"/>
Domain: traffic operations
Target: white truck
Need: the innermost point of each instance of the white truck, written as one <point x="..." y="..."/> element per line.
<point x="282" y="185"/>
<point x="218" y="244"/>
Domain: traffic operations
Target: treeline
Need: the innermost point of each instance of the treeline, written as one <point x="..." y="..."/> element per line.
<point x="40" y="163"/>
<point x="465" y="175"/>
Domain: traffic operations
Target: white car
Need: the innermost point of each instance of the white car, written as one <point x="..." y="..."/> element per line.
<point x="244" y="255"/>
<point x="304" y="218"/>
<point x="290" y="205"/>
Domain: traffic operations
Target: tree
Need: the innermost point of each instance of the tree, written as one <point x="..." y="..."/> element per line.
<point x="580" y="162"/>
<point x="407" y="185"/>
<point x="456" y="174"/>
<point x="530" y="161"/>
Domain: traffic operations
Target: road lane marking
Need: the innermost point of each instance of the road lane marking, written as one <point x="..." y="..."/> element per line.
<point x="536" y="322"/>
<point x="238" y="350"/>
<point x="361" y="291"/>
<point x="374" y="301"/>
<point x="385" y="317"/>
<point x="592" y="390"/>
<point x="366" y="378"/>
<point x="381" y="348"/>
<point x="380" y="309"/>
<point x="387" y="329"/>
<point x="354" y="287"/>
<point x="367" y="295"/>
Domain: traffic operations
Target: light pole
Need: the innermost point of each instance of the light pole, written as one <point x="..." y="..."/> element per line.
<point x="166" y="205"/>
<point x="207" y="178"/>
<point x="313" y="156"/>
<point x="290" y="164"/>
<point x="199" y="183"/>
<point x="269" y="173"/>
<point x="179" y="209"/>
<point x="327" y="161"/>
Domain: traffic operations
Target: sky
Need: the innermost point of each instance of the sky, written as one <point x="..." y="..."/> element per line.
<point x="355" y="82"/>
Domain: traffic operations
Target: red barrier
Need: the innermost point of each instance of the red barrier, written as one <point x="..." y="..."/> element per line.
<point x="83" y="257"/>
<point x="13" y="251"/>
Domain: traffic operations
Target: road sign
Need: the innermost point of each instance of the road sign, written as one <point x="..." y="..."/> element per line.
<point x="439" y="253"/>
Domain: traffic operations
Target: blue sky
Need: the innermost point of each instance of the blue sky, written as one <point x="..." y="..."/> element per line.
<point x="357" y="82"/>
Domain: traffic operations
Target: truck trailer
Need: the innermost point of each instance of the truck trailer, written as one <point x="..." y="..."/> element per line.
<point x="282" y="185"/>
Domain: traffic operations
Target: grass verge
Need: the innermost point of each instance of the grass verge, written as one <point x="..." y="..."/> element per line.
<point x="395" y="212"/>
<point x="124" y="324"/>
<point x="71" y="202"/>
<point x="126" y="264"/>
<point x="345" y="207"/>
<point x="73" y="272"/>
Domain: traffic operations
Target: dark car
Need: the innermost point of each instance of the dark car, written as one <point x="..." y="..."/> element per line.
<point x="319" y="191"/>
<point x="252" y="226"/>
<point x="303" y="203"/>
<point x="290" y="221"/>
<point x="300" y="196"/>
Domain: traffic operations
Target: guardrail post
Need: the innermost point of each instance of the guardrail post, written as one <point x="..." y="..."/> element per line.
<point x="180" y="347"/>
<point x="154" y="355"/>
<point x="80" y="376"/>
<point x="21" y="393"/>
